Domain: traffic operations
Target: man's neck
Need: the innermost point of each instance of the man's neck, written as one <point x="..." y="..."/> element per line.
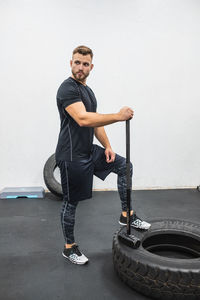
<point x="83" y="83"/>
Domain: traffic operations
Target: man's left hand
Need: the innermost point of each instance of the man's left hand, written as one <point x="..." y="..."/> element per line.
<point x="110" y="155"/>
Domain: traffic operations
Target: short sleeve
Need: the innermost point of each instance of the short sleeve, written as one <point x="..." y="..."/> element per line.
<point x="68" y="93"/>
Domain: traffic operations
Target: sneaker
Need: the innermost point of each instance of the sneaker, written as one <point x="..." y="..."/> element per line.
<point x="135" y="222"/>
<point x="74" y="255"/>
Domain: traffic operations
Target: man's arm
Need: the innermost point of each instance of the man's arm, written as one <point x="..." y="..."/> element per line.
<point x="90" y="119"/>
<point x="102" y="136"/>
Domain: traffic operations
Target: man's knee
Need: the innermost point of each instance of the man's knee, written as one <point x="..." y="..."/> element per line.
<point x="123" y="168"/>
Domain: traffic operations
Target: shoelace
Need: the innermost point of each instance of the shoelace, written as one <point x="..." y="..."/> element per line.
<point x="74" y="257"/>
<point x="137" y="222"/>
<point x="76" y="250"/>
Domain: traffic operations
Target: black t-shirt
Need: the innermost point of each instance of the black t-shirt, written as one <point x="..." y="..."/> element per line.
<point x="74" y="142"/>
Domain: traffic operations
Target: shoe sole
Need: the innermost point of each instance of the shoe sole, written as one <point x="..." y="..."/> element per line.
<point x="123" y="224"/>
<point x="74" y="262"/>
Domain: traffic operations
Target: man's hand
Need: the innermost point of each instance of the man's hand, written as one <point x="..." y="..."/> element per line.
<point x="110" y="155"/>
<point x="126" y="113"/>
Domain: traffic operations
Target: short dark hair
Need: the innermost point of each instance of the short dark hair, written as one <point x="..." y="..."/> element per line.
<point x="83" y="50"/>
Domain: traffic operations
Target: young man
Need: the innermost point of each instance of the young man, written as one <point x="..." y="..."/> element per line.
<point x="77" y="157"/>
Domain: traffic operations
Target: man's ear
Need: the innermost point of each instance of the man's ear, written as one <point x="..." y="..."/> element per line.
<point x="70" y="62"/>
<point x="92" y="66"/>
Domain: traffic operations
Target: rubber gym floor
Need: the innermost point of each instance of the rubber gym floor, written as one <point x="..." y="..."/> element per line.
<point x="31" y="264"/>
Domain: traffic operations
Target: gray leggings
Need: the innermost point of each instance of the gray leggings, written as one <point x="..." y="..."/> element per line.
<point x="69" y="209"/>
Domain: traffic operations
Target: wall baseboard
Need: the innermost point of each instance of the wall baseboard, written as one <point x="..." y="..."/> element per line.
<point x="144" y="189"/>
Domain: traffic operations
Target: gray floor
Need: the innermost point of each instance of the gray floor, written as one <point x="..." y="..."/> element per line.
<point x="31" y="264"/>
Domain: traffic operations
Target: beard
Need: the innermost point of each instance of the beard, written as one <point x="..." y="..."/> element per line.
<point x="80" y="76"/>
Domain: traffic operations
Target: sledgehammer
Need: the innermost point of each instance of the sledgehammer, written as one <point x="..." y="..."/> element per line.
<point x="126" y="237"/>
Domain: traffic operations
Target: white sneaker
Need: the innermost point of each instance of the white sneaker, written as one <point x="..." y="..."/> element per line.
<point x="74" y="255"/>
<point x="135" y="222"/>
<point x="138" y="223"/>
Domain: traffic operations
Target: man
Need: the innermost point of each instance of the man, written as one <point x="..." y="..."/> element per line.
<point x="77" y="157"/>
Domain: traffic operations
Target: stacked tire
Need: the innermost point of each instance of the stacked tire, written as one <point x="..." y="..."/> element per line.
<point x="48" y="173"/>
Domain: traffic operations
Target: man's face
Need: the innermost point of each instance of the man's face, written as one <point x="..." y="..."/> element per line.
<point x="81" y="66"/>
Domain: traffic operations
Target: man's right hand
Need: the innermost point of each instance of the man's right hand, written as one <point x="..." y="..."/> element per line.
<point x="126" y="113"/>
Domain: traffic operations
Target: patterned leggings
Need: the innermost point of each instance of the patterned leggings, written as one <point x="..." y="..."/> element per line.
<point x="69" y="209"/>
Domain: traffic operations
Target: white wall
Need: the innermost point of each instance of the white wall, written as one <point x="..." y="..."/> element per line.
<point x="146" y="55"/>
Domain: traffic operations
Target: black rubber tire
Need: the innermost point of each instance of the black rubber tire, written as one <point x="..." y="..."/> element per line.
<point x="48" y="173"/>
<point x="161" y="277"/>
<point x="198" y="188"/>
